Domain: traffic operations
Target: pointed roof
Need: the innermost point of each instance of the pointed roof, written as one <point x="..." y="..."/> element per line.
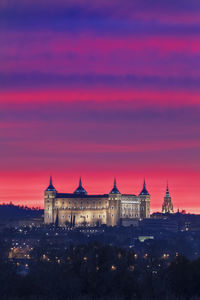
<point x="167" y="191"/>
<point x="115" y="189"/>
<point x="80" y="190"/>
<point x="144" y="190"/>
<point x="51" y="187"/>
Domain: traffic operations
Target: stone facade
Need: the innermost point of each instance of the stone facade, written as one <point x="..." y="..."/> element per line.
<point x="81" y="209"/>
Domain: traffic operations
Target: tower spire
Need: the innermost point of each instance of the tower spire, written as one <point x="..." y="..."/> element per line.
<point x="115" y="183"/>
<point x="51" y="187"/>
<point x="167" y="190"/>
<point x="115" y="189"/>
<point x="144" y="190"/>
<point x="144" y="184"/>
<point x="167" y="206"/>
<point x="80" y="190"/>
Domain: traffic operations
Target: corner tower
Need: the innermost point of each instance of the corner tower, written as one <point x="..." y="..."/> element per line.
<point x="144" y="197"/>
<point x="113" y="216"/>
<point x="167" y="206"/>
<point x="49" y="199"/>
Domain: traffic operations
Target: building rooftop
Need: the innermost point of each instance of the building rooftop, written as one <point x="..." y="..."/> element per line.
<point x="84" y="196"/>
<point x="115" y="189"/>
<point x="51" y="187"/>
<point x="80" y="190"/>
<point x="144" y="190"/>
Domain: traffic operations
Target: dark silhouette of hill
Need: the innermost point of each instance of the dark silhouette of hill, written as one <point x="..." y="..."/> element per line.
<point x="16" y="212"/>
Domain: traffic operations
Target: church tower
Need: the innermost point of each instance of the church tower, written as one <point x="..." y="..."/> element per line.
<point x="167" y="206"/>
<point x="49" y="199"/>
<point x="144" y="197"/>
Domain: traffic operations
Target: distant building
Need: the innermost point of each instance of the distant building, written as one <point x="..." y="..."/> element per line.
<point x="167" y="206"/>
<point x="81" y="209"/>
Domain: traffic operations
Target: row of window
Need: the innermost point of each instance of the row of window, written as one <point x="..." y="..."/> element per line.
<point x="81" y="202"/>
<point x="81" y="207"/>
<point x="64" y="216"/>
<point x="130" y="215"/>
<point x="130" y="208"/>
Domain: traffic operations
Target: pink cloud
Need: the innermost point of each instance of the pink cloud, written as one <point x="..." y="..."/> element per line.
<point x="81" y="54"/>
<point x="135" y="98"/>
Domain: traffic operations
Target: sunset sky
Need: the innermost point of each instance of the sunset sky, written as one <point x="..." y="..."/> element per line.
<point x="100" y="89"/>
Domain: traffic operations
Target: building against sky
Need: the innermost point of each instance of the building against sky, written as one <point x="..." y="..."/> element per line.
<point x="81" y="209"/>
<point x="167" y="206"/>
<point x="144" y="202"/>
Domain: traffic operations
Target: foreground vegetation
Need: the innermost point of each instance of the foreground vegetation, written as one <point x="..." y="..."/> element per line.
<point x="97" y="271"/>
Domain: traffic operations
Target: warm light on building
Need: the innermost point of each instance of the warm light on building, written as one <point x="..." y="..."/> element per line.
<point x="81" y="209"/>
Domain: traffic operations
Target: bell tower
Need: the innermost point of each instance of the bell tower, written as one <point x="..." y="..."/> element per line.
<point x="144" y="197"/>
<point x="167" y="206"/>
<point x="49" y="199"/>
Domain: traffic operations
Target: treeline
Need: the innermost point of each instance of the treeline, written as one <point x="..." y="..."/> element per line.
<point x="97" y="271"/>
<point x="15" y="212"/>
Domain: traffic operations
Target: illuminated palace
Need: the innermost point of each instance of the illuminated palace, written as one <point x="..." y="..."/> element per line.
<point x="81" y="209"/>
